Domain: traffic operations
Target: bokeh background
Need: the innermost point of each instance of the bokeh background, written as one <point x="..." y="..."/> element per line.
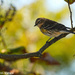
<point x="20" y="32"/>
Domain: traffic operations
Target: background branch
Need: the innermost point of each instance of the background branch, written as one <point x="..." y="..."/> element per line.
<point x="70" y="15"/>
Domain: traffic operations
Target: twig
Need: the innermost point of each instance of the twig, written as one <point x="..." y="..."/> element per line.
<point x="1" y="2"/>
<point x="7" y="14"/>
<point x="70" y="15"/>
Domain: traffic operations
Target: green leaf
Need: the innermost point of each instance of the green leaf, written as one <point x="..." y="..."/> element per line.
<point x="17" y="50"/>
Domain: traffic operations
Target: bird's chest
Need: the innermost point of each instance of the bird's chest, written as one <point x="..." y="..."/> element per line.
<point x="44" y="31"/>
<point x="50" y="33"/>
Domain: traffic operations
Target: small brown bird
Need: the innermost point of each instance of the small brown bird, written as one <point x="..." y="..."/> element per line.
<point x="51" y="28"/>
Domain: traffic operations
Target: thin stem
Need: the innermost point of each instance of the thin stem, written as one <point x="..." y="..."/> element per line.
<point x="70" y="15"/>
<point x="34" y="65"/>
<point x="4" y="44"/>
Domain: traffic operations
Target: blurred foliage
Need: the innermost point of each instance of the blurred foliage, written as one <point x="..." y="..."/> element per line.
<point x="20" y="34"/>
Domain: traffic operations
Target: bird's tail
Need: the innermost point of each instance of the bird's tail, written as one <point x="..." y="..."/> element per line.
<point x="67" y="31"/>
<point x="70" y="31"/>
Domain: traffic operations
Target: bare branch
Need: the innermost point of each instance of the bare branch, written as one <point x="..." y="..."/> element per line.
<point x="21" y="56"/>
<point x="70" y="15"/>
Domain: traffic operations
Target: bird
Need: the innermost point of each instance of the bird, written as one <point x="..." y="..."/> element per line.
<point x="51" y="28"/>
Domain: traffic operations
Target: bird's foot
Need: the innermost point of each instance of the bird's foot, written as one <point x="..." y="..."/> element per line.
<point x="48" y="40"/>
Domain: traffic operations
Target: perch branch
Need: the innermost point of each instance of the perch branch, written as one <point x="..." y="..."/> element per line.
<point x="16" y="57"/>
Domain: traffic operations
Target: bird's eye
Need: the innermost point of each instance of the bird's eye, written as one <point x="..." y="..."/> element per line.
<point x="39" y="21"/>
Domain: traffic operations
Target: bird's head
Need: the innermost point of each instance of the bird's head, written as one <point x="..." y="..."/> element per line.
<point x="39" y="22"/>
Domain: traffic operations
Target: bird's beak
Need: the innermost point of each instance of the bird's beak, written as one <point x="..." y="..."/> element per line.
<point x="35" y="25"/>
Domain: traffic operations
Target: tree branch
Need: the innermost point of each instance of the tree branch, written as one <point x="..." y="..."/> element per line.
<point x="14" y="57"/>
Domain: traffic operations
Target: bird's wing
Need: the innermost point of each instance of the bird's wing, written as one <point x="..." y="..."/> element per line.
<point x="52" y="25"/>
